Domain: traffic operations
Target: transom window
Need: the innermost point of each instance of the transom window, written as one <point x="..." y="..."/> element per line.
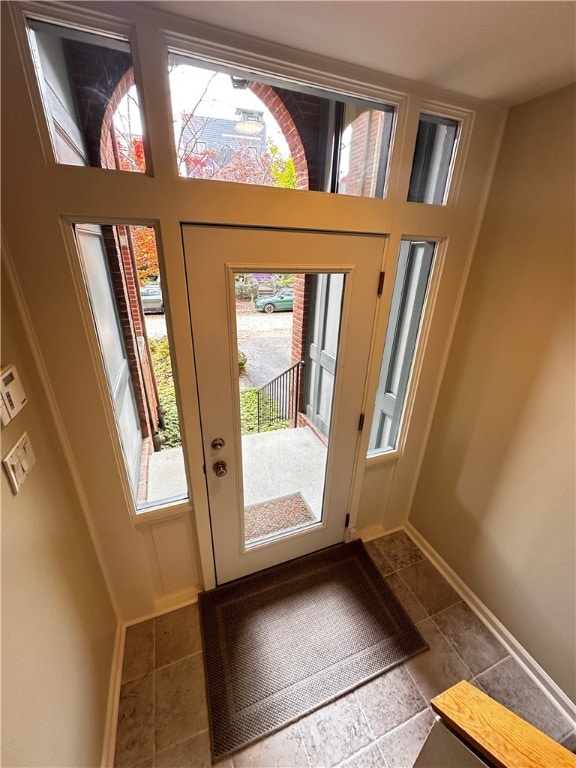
<point x="433" y="159"/>
<point x="228" y="125"/>
<point x="276" y="134"/>
<point x="91" y="103"/>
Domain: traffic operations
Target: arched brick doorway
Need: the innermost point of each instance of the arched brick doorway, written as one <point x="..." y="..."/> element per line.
<point x="275" y="105"/>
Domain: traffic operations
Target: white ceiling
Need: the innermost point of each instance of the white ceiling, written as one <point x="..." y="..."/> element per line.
<point x="508" y="52"/>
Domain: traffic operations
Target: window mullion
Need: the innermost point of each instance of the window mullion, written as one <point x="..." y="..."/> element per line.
<point x="151" y="73"/>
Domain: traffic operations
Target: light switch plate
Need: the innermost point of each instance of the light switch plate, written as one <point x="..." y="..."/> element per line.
<point x="19" y="461"/>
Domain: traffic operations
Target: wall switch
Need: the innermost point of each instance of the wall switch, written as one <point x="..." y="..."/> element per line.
<point x="19" y="461"/>
<point x="4" y="415"/>
<point x="13" y="395"/>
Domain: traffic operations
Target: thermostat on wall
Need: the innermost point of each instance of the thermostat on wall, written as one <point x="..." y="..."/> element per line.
<point x="13" y="395"/>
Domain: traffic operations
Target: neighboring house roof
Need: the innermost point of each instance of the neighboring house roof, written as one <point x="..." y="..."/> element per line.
<point x="218" y="132"/>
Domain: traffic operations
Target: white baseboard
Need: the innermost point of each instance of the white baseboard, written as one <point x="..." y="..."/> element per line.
<point x="367" y="534"/>
<point x="514" y="648"/>
<point x="109" y="745"/>
<point x="372" y="532"/>
<point x="175" y="600"/>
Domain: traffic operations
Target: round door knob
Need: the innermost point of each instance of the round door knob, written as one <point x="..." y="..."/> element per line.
<point x="220" y="468"/>
<point x="217" y="443"/>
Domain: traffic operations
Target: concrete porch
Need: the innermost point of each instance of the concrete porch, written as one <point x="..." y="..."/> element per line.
<point x="275" y="464"/>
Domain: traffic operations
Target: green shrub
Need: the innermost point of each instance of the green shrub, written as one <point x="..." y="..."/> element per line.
<point x="162" y="365"/>
<point x="249" y="412"/>
<point x="246" y="290"/>
<point x="160" y="353"/>
<point x="242" y="360"/>
<point x="282" y="280"/>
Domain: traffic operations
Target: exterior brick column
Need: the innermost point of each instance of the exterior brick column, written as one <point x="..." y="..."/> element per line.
<point x="365" y="151"/>
<point x="270" y="98"/>
<point x="108" y="150"/>
<point x="300" y="317"/>
<point x="125" y="286"/>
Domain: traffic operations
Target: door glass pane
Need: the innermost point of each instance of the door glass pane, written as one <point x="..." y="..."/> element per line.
<point x="406" y="311"/>
<point x="122" y="274"/>
<point x="286" y="383"/>
<point x="90" y="98"/>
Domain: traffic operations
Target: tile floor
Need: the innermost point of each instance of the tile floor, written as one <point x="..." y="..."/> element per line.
<point x="163" y="721"/>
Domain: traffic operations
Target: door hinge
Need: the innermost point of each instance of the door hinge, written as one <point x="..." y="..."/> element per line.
<point x="380" y="284"/>
<point x="347" y="521"/>
<point x="361" y="423"/>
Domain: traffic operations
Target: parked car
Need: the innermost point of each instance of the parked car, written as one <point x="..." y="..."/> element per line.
<point x="152" y="300"/>
<point x="281" y="301"/>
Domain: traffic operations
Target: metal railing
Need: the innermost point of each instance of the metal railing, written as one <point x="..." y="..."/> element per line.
<point x="279" y="399"/>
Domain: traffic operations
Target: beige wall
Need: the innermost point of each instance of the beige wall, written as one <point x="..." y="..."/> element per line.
<point x="495" y="495"/>
<point x="58" y="626"/>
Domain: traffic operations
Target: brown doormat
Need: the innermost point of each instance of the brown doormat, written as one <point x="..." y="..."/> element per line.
<point x="288" y="640"/>
<point x="276" y="515"/>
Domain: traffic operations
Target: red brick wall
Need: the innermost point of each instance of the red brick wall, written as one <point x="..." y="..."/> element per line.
<point x="300" y="318"/>
<point x="108" y="151"/>
<point x="310" y="115"/>
<point x="270" y="98"/>
<point x="124" y="283"/>
<point x="365" y="149"/>
<point x="145" y="371"/>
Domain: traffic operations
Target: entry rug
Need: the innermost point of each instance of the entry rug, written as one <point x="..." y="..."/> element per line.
<point x="290" y="639"/>
<point x="276" y="515"/>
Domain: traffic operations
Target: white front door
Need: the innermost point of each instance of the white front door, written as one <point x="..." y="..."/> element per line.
<point x="294" y="473"/>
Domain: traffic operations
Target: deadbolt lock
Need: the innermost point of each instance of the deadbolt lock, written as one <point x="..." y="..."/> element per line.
<point x="220" y="468"/>
<point x="217" y="444"/>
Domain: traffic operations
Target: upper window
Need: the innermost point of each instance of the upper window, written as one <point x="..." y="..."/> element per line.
<point x="229" y="126"/>
<point x="225" y="132"/>
<point x="433" y="159"/>
<point x="91" y="102"/>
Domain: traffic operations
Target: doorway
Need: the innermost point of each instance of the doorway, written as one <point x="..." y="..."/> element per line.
<point x="308" y="463"/>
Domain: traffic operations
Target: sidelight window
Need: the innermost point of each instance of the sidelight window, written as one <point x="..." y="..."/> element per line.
<point x="122" y="278"/>
<point x="404" y="322"/>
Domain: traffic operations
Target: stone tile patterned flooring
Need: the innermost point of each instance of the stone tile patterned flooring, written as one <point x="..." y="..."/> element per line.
<point x="163" y="719"/>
